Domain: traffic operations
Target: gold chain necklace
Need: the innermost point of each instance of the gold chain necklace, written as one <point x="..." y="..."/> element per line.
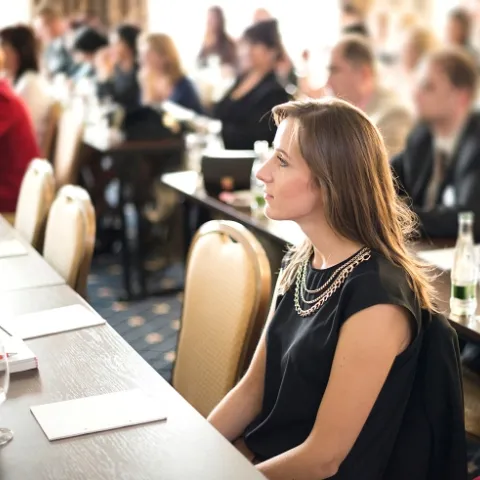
<point x="342" y="274"/>
<point x="304" y="269"/>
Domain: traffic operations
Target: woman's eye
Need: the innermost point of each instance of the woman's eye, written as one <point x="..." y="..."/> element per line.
<point x="283" y="163"/>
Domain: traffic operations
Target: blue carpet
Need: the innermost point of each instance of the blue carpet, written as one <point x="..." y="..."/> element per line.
<point x="151" y="326"/>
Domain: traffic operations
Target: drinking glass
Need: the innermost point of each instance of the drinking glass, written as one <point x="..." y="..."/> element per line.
<point x="5" y="434"/>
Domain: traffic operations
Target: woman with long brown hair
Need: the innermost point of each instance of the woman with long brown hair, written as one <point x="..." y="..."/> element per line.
<point x="216" y="41"/>
<point x="161" y="74"/>
<point x="325" y="394"/>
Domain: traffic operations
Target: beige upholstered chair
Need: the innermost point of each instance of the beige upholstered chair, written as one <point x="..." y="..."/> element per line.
<point x="81" y="195"/>
<point x="227" y="292"/>
<point x="48" y="141"/>
<point x="471" y="391"/>
<point x="67" y="151"/>
<point x="36" y="195"/>
<point x="67" y="237"/>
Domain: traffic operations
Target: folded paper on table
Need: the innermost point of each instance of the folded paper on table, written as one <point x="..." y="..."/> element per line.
<point x="49" y="322"/>
<point x="99" y="413"/>
<point x="12" y="248"/>
<point x="23" y="358"/>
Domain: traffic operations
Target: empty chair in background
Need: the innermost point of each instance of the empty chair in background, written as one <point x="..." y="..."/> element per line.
<point x="70" y="235"/>
<point x="36" y="196"/>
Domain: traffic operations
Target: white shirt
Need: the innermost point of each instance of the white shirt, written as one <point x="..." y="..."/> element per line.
<point x="33" y="89"/>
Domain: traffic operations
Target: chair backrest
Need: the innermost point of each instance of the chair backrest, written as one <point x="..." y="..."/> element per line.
<point x="81" y="195"/>
<point x="48" y="141"/>
<point x="35" y="198"/>
<point x="67" y="151"/>
<point x="65" y="236"/>
<point x="227" y="292"/>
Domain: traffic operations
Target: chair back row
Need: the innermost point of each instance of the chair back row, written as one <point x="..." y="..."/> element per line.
<point x="226" y="299"/>
<point x="66" y="224"/>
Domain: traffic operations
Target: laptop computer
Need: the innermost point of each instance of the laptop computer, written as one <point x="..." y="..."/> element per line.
<point x="227" y="170"/>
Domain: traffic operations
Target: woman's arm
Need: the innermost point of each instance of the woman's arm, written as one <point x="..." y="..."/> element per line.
<point x="244" y="402"/>
<point x="368" y="344"/>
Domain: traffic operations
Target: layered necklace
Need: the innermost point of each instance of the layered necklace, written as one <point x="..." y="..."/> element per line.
<point x="327" y="289"/>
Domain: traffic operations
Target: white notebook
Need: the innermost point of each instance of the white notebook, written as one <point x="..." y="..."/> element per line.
<point x="49" y="322"/>
<point x="12" y="248"/>
<point x="97" y="414"/>
<point x="22" y="358"/>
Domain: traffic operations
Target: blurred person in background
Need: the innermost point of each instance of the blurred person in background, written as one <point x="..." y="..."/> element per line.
<point x="51" y="28"/>
<point x="18" y="146"/>
<point x="439" y="170"/>
<point x="458" y="32"/>
<point x="244" y="110"/>
<point x="216" y="42"/>
<point x="416" y="44"/>
<point x="161" y="74"/>
<point x="117" y="68"/>
<point x="88" y="42"/>
<point x="21" y="64"/>
<point x="353" y="17"/>
<point x="284" y="69"/>
<point x="353" y="77"/>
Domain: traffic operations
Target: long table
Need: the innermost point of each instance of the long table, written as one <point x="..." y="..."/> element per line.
<point x="94" y="361"/>
<point x="282" y="234"/>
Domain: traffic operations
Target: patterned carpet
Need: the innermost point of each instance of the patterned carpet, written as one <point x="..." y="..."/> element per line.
<point x="151" y="326"/>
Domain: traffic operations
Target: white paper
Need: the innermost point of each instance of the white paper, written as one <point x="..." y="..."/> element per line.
<point x="442" y="258"/>
<point x="23" y="358"/>
<point x="97" y="414"/>
<point x="48" y="322"/>
<point x="12" y="248"/>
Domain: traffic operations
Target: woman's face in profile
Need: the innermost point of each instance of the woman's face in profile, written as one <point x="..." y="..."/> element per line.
<point x="149" y="58"/>
<point x="255" y="55"/>
<point x="290" y="192"/>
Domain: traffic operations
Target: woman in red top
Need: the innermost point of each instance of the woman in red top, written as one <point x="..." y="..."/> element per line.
<point x="18" y="146"/>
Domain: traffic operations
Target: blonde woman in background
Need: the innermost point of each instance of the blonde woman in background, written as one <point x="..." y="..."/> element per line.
<point x="161" y="74"/>
<point x="417" y="43"/>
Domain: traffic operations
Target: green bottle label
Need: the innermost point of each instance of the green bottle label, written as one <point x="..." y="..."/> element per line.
<point x="464" y="292"/>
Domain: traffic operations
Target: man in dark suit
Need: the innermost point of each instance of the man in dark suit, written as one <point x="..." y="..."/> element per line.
<point x="51" y="28"/>
<point x="439" y="170"/>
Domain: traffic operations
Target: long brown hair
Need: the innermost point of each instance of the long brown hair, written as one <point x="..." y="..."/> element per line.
<point x="163" y="45"/>
<point x="348" y="160"/>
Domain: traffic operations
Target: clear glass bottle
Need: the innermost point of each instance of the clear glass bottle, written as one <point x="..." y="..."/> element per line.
<point x="464" y="276"/>
<point x="257" y="204"/>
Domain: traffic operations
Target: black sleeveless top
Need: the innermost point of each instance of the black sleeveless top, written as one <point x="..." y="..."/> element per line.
<point x="300" y="353"/>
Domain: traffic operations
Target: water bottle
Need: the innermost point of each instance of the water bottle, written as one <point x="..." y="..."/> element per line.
<point x="257" y="204"/>
<point x="464" y="277"/>
<point x="214" y="138"/>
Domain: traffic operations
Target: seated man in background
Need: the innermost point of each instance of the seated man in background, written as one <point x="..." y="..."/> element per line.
<point x="353" y="78"/>
<point x="51" y="29"/>
<point x="439" y="169"/>
<point x="18" y="146"/>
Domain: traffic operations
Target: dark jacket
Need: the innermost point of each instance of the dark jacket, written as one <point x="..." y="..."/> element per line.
<point x="185" y="94"/>
<point x="432" y="434"/>
<point x="413" y="168"/>
<point x="122" y="88"/>
<point x="248" y="119"/>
